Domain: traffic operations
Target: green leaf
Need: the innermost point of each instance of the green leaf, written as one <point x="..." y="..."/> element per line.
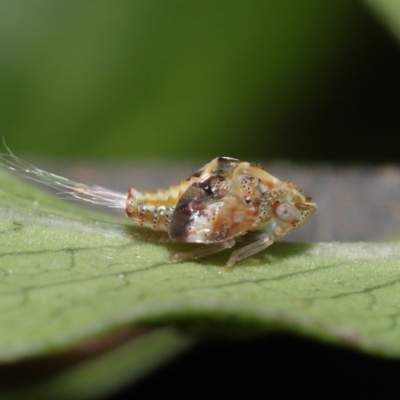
<point x="149" y="72"/>
<point x="389" y="12"/>
<point x="68" y="274"/>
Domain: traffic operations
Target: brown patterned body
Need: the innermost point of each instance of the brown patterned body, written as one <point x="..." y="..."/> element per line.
<point x="225" y="199"/>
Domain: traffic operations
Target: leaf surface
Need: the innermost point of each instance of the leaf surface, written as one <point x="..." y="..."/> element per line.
<point x="68" y="274"/>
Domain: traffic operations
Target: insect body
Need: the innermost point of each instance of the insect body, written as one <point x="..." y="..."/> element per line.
<point x="221" y="202"/>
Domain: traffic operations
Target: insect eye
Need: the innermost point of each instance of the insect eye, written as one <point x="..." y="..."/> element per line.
<point x="287" y="212"/>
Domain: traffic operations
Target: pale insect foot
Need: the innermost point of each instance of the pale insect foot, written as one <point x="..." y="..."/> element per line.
<point x="202" y="251"/>
<point x="262" y="242"/>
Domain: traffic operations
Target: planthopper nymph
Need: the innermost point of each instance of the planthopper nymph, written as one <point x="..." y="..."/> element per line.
<point x="214" y="207"/>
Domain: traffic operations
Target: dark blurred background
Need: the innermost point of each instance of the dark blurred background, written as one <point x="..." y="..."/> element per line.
<point x="302" y="80"/>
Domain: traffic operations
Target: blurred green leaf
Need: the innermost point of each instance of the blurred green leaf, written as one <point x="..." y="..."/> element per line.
<point x="107" y="373"/>
<point x="389" y="12"/>
<point x="154" y="78"/>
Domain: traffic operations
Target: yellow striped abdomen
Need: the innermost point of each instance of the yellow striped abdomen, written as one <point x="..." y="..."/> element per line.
<point x="154" y="209"/>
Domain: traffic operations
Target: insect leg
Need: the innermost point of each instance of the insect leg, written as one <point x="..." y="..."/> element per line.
<point x="203" y="251"/>
<point x="263" y="241"/>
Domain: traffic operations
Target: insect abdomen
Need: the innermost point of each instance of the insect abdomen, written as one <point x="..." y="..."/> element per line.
<point x="154" y="209"/>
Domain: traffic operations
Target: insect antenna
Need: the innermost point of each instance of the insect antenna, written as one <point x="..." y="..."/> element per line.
<point x="66" y="188"/>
